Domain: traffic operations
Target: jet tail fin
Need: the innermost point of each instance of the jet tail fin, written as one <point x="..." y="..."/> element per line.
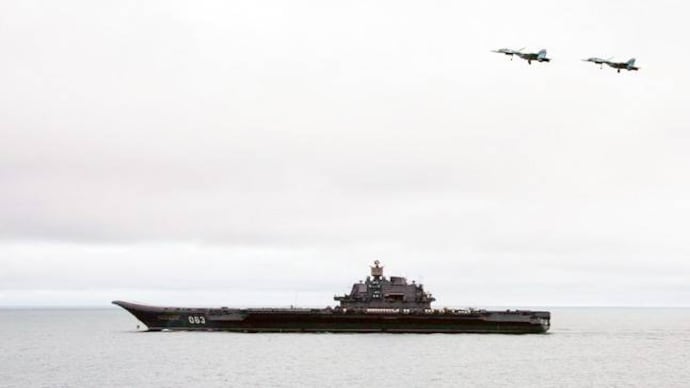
<point x="541" y="54"/>
<point x="631" y="62"/>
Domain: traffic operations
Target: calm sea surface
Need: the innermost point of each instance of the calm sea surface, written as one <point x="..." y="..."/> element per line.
<point x="586" y="347"/>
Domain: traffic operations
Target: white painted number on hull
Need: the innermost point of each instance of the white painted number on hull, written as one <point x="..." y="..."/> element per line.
<point x="196" y="320"/>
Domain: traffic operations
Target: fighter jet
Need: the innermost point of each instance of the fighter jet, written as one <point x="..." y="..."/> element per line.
<point x="508" y="52"/>
<point x="598" y="61"/>
<point x="629" y="65"/>
<point x="529" y="57"/>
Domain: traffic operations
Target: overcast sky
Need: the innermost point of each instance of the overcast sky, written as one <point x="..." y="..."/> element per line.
<point x="266" y="152"/>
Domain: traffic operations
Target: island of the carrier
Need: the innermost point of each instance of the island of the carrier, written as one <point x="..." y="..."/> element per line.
<point x="378" y="304"/>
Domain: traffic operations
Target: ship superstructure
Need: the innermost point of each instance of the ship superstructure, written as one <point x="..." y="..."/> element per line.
<point x="379" y="292"/>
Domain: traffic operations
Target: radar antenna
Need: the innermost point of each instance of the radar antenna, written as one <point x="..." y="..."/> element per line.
<point x="377" y="270"/>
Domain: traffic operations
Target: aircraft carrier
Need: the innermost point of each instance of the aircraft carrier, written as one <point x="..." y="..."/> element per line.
<point x="378" y="304"/>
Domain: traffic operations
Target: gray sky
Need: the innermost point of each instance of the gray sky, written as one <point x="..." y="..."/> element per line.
<point x="265" y="152"/>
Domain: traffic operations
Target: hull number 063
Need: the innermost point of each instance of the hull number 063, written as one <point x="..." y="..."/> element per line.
<point x="196" y="320"/>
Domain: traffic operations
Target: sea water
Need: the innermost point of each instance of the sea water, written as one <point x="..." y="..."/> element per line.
<point x="586" y="347"/>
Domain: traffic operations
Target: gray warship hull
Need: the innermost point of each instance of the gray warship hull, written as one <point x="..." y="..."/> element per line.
<point x="339" y="320"/>
<point x="377" y="304"/>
